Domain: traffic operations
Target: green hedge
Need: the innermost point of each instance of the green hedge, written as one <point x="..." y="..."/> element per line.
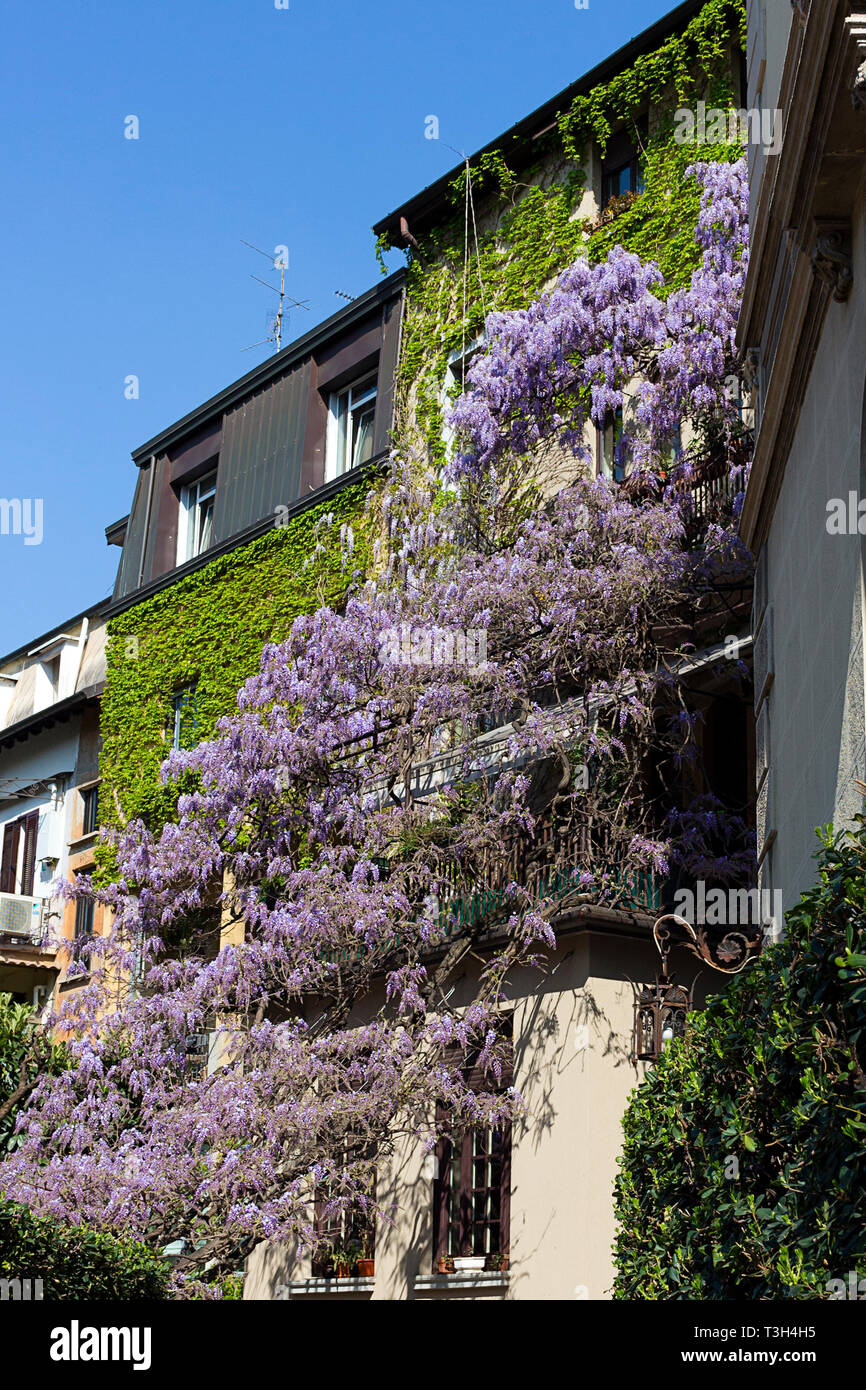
<point x="75" y="1263"/>
<point x="743" y="1173"/>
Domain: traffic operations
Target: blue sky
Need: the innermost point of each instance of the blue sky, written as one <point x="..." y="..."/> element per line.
<point x="121" y="257"/>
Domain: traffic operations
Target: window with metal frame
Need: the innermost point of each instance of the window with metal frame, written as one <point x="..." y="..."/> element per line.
<point x="621" y="168"/>
<point x="195" y="529"/>
<point x="90" y="810"/>
<point x="351" y="426"/>
<point x="184" y="712"/>
<point x="83" y="919"/>
<point x="612" y="463"/>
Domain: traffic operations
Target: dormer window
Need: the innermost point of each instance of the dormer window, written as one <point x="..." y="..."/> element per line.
<point x="350" y="426"/>
<point x="54" y="667"/>
<point x="195" y="531"/>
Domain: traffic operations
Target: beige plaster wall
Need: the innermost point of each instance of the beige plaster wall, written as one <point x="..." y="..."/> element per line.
<point x="572" y="1043"/>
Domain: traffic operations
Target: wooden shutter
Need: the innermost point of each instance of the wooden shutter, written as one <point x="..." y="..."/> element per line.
<point x="28" y="867"/>
<point x="10" y="857"/>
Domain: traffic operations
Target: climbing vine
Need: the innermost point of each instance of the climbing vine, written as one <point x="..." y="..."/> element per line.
<point x="530" y="225"/>
<point x="209" y="630"/>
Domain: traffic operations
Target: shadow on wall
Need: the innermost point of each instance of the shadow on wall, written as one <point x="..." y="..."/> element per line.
<point x="269" y="1266"/>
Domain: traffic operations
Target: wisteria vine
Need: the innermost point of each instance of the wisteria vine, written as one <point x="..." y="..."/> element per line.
<point x="309" y="906"/>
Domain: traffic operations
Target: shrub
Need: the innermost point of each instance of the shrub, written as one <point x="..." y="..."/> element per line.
<point x="77" y="1264"/>
<point x="743" y="1173"/>
<point x="25" y="1052"/>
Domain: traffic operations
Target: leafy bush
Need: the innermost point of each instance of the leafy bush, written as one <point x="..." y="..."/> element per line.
<point x="75" y="1263"/>
<point x="743" y="1173"/>
<point x="25" y="1052"/>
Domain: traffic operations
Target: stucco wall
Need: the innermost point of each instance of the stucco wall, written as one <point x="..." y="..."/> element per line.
<point x="815" y="587"/>
<point x="572" y="1042"/>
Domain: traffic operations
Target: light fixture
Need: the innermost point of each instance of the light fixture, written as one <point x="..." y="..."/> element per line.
<point x="661" y="1014"/>
<point x="662" y="1010"/>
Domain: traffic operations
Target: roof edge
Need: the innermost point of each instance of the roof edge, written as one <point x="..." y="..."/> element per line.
<point x="424" y="204"/>
<point x="272" y="367"/>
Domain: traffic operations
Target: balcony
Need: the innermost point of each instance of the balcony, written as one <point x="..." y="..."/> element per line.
<point x="707" y="484"/>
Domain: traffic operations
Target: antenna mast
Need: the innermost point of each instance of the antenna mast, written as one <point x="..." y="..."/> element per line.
<point x="276" y="334"/>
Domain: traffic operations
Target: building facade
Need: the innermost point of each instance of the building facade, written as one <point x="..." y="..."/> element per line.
<point x="228" y="504"/>
<point x="802" y="329"/>
<point x="49" y="781"/>
<point x="542" y="1194"/>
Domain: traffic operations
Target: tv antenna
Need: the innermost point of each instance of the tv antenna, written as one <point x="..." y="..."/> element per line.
<point x="276" y="334"/>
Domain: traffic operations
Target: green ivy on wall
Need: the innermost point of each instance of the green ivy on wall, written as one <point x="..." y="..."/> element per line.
<point x="209" y="630"/>
<point x="530" y="229"/>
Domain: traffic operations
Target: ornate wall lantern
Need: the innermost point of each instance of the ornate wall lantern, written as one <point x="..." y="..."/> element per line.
<point x="662" y="1009"/>
<point x="661" y="1014"/>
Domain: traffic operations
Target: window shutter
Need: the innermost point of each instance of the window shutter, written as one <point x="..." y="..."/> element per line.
<point x="28" y="868"/>
<point x="10" y="858"/>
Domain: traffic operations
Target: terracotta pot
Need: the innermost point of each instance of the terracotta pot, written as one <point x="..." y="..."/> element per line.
<point x="444" y="1265"/>
<point x="343" y="1271"/>
<point x="366" y="1269"/>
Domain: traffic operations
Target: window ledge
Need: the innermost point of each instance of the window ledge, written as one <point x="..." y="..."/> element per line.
<point x="82" y="842"/>
<point x="464" y="1279"/>
<point x="336" y="1288"/>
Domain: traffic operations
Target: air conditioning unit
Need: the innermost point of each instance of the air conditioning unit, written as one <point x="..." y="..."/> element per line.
<point x="20" y="916"/>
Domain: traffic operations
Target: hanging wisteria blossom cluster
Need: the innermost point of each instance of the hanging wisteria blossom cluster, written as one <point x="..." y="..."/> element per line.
<point x="604" y="333"/>
<point x="378" y="814"/>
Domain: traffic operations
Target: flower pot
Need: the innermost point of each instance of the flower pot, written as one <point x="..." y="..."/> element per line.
<point x="445" y="1265"/>
<point x="366" y="1269"/>
<point x="497" y="1263"/>
<point x="343" y="1271"/>
<point x="468" y="1262"/>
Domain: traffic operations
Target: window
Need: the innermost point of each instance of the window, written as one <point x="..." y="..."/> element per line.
<point x="83" y="919"/>
<point x="472" y="1191"/>
<point x="198" y="1047"/>
<point x="350" y="427"/>
<point x="90" y="810"/>
<point x="627" y="178"/>
<point x="18" y="866"/>
<point x="611" y="460"/>
<point x="621" y="170"/>
<point x="184" y="710"/>
<point x="459" y="362"/>
<point x="195" y="529"/>
<point x="350" y="1231"/>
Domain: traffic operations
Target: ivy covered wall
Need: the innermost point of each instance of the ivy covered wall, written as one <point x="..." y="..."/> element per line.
<point x="210" y="629"/>
<point x="530" y="225"/>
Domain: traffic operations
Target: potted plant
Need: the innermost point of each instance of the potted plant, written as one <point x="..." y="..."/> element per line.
<point x="445" y="1264"/>
<point x="364" y="1263"/>
<point x="498" y="1261"/>
<point x="469" y="1262"/>
<point x="340" y="1260"/>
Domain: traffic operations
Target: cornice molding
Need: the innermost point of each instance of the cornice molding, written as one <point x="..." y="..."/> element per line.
<point x="801" y="258"/>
